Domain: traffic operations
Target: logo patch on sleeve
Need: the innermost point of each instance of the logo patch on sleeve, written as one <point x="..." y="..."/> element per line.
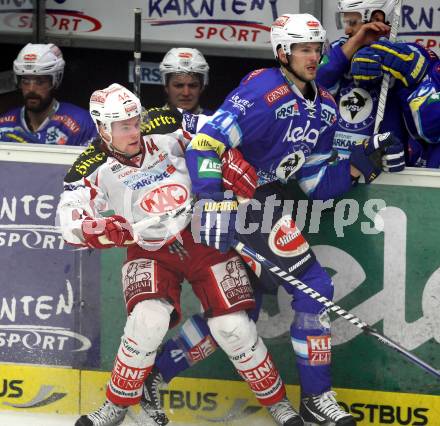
<point x="209" y="168"/>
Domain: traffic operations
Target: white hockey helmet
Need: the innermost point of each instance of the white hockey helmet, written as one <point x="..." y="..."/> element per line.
<point x="290" y="29"/>
<point x="40" y="59"/>
<point x="184" y="60"/>
<point x="114" y="103"/>
<point x="367" y="7"/>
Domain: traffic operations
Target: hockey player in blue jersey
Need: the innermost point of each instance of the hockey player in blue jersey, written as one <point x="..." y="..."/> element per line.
<point x="364" y="22"/>
<point x="43" y="120"/>
<point x="415" y="72"/>
<point x="283" y="124"/>
<point x="422" y="117"/>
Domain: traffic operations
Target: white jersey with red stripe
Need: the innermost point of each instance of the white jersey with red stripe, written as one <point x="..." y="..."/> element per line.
<point x="155" y="183"/>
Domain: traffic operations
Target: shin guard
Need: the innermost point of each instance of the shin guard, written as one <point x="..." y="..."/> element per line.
<point x="237" y="335"/>
<point x="144" y="331"/>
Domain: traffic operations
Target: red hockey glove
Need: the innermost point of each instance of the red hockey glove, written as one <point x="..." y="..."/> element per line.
<point x="107" y="232"/>
<point x="238" y="174"/>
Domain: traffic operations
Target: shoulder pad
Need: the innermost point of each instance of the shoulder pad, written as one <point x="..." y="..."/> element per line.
<point x="87" y="162"/>
<point x="160" y="121"/>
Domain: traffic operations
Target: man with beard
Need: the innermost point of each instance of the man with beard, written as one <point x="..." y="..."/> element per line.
<point x="39" y="70"/>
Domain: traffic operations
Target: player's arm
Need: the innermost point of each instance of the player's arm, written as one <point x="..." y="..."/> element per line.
<point x="80" y="200"/>
<point x="333" y="65"/>
<point x="408" y="63"/>
<point x="204" y="152"/>
<point x="425" y="110"/>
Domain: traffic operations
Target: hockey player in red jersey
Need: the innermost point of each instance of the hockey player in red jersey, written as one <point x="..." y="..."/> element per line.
<point x="146" y="177"/>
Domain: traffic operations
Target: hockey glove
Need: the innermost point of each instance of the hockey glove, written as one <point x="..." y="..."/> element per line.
<point x="393" y="159"/>
<point x="366" y="68"/>
<point x="238" y="175"/>
<point x="107" y="232"/>
<point x="18" y="135"/>
<point x="217" y="215"/>
<point x="404" y="62"/>
<point x="366" y="155"/>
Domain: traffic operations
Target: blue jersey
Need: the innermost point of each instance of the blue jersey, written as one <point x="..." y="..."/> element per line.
<point x="279" y="132"/>
<point x="421" y="108"/>
<point x="66" y="125"/>
<point x="357" y="105"/>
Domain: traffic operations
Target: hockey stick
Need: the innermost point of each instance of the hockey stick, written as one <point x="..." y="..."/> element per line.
<point x="137" y="52"/>
<point x="386" y="78"/>
<point x="241" y="248"/>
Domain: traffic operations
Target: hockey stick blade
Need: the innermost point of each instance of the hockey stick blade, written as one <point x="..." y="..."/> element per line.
<point x="331" y="306"/>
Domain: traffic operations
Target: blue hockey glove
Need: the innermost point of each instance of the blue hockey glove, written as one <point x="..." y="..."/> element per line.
<point x="403" y="61"/>
<point x="18" y="135"/>
<point x="366" y="155"/>
<point x="217" y="214"/>
<point x="366" y="68"/>
<point x="393" y="159"/>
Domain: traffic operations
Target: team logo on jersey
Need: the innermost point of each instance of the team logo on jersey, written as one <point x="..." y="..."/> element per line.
<point x="310" y="107"/>
<point x="356" y="108"/>
<point x="55" y="136"/>
<point x="290" y="164"/>
<point x="286" y="240"/>
<point x="289" y="109"/>
<point x="165" y="198"/>
<point x="241" y="104"/>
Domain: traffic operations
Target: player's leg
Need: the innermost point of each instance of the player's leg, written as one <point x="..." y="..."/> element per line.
<point x="284" y="245"/>
<point x="222" y="285"/>
<point x="144" y="330"/>
<point x="148" y="289"/>
<point x="311" y="340"/>
<point x="192" y="344"/>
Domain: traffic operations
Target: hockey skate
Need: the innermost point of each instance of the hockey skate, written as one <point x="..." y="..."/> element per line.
<point x="324" y="410"/>
<point x="108" y="415"/>
<point x="150" y="401"/>
<point x="284" y="414"/>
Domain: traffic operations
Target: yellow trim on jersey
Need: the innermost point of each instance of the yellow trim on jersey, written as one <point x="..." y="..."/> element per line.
<point x="202" y="142"/>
